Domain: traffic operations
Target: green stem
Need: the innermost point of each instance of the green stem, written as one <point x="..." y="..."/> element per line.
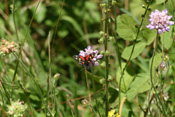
<point x="34" y="80"/>
<point x="152" y="83"/>
<point x="132" y="51"/>
<point x="6" y="92"/>
<point x="106" y="57"/>
<point x="87" y="83"/>
<point x="94" y="88"/>
<point x="30" y="23"/>
<point x="16" y="32"/>
<point x="14" y="20"/>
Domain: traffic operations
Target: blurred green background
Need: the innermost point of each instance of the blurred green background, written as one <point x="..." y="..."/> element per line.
<point x="70" y="26"/>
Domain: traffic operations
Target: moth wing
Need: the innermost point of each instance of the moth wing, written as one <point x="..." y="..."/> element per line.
<point x="76" y="57"/>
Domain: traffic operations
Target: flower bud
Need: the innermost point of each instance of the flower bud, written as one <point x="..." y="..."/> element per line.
<point x="111" y="38"/>
<point x="110" y="20"/>
<point x="162" y="65"/>
<point x="102" y="5"/>
<point x="107" y="53"/>
<point x="101" y="40"/>
<point x="102" y="52"/>
<point x="85" y="102"/>
<point x="136" y="26"/>
<point x="104" y="11"/>
<point x="143" y="6"/>
<point x="101" y="33"/>
<point x="109" y="78"/>
<point x="103" y="64"/>
<point x="102" y="81"/>
<point x="56" y="76"/>
<point x="114" y="2"/>
<point x="166" y="58"/>
<point x="108" y="10"/>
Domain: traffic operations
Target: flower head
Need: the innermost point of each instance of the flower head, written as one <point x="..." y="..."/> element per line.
<point x="160" y="21"/>
<point x="95" y="56"/>
<point x="6" y="47"/>
<point x="17" y="108"/>
<point x="111" y="113"/>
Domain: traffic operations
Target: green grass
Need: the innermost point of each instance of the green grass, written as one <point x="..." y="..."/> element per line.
<point x="47" y="34"/>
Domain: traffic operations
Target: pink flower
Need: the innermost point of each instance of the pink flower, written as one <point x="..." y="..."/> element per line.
<point x="160" y="21"/>
<point x="95" y="54"/>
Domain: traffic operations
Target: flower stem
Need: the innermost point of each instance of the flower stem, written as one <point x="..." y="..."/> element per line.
<point x="152" y="83"/>
<point x="87" y="83"/>
<point x="106" y="58"/>
<point x="132" y="51"/>
<point x="163" y="47"/>
<point x="16" y="32"/>
<point x="94" y="88"/>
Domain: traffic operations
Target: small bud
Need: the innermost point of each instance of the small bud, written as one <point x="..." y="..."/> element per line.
<point x="103" y="5"/>
<point x="108" y="10"/>
<point x="114" y="2"/>
<point x="111" y="38"/>
<point x="56" y="76"/>
<point x="85" y="102"/>
<point x="110" y="20"/>
<point x="104" y="11"/>
<point x="109" y="78"/>
<point x="149" y="9"/>
<point x="11" y="7"/>
<point x="143" y="16"/>
<point x="101" y="40"/>
<point x="134" y="36"/>
<point x="101" y="33"/>
<point x="102" y="81"/>
<point x="136" y="25"/>
<point x="102" y="52"/>
<point x="103" y="64"/>
<point x="162" y="65"/>
<point x="143" y="6"/>
<point x="166" y="58"/>
<point x="107" y="53"/>
<point x="105" y="34"/>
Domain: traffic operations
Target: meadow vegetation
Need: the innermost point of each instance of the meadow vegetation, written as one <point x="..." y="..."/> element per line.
<point x="95" y="58"/>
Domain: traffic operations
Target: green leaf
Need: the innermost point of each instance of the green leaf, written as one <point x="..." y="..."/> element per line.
<point x="157" y="60"/>
<point x="149" y="35"/>
<point x="126" y="27"/>
<point x="74" y="23"/>
<point x="127" y="77"/>
<point x="40" y="13"/>
<point x="139" y="47"/>
<point x="159" y="1"/>
<point x="139" y="85"/>
<point x="170" y="7"/>
<point x="167" y="38"/>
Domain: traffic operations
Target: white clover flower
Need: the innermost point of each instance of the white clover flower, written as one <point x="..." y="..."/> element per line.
<point x="17" y="108"/>
<point x="160" y="21"/>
